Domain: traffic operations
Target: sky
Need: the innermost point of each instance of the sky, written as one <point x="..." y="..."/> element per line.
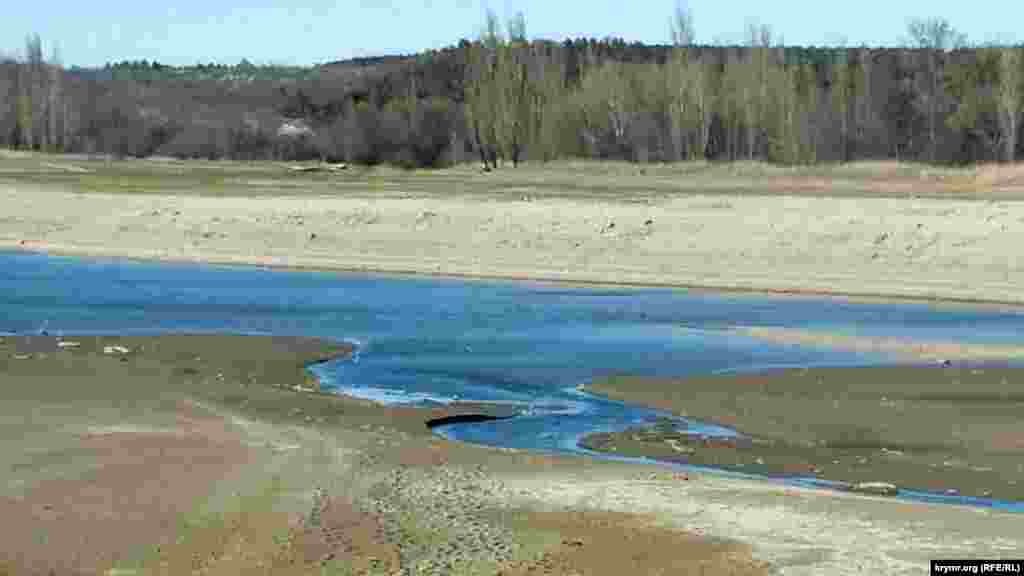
<point x="91" y="33"/>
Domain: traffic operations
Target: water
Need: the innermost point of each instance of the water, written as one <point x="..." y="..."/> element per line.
<point x="438" y="340"/>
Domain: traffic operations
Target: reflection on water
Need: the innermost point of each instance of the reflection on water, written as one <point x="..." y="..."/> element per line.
<point x="437" y="340"/>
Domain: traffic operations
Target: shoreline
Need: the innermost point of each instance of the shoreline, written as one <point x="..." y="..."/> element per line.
<point x="807" y="422"/>
<point x="353" y="483"/>
<point x="568" y="280"/>
<point x="544" y="224"/>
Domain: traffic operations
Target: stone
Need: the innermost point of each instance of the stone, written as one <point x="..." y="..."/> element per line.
<point x="116" y="350"/>
<point x="68" y="344"/>
<point x="875" y="488"/>
<point x="294" y="129"/>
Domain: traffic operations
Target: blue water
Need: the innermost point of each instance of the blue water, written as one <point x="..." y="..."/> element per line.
<point x="437" y="340"/>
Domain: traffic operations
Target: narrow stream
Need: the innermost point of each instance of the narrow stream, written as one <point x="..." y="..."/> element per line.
<point x="422" y="340"/>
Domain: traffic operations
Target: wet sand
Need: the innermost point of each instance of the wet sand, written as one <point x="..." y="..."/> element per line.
<point x="952" y="429"/>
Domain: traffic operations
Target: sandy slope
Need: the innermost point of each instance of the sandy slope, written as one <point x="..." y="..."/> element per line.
<point x="957" y="249"/>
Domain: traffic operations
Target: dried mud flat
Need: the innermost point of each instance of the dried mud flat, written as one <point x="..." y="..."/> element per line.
<point x="230" y="469"/>
<point x="211" y="454"/>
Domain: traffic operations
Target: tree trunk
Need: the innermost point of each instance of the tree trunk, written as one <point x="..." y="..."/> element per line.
<point x="484" y="156"/>
<point x="933" y="108"/>
<point x="1011" y="137"/>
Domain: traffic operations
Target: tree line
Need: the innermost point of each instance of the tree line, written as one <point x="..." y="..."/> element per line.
<point x="503" y="98"/>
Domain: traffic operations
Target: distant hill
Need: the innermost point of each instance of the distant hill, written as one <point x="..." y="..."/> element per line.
<point x="535" y="100"/>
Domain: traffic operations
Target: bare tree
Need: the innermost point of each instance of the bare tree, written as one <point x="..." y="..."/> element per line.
<point x="844" y="90"/>
<point x="935" y="36"/>
<point x="681" y="26"/>
<point x="754" y="90"/>
<point x="55" y="103"/>
<point x="37" y="91"/>
<point x="1008" y="97"/>
<point x="492" y="36"/>
<point x="517" y="28"/>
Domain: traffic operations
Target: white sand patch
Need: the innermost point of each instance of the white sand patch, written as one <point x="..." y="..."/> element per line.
<point x="933" y="248"/>
<point x="937" y="351"/>
<point x="132" y="429"/>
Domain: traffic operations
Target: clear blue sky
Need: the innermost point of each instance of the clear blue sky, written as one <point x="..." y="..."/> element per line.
<point x="89" y="32"/>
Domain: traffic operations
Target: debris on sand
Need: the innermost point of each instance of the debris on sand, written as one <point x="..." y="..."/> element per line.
<point x="323" y="167"/>
<point x="110" y="350"/>
<point x="425" y="216"/>
<point x="66" y="168"/>
<point x="68" y="344"/>
<point x="875" y="488"/>
<point x="22" y="356"/>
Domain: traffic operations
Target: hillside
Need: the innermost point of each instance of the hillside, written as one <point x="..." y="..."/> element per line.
<point x="537" y="100"/>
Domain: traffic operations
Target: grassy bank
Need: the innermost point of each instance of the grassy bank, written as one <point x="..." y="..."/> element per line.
<point x="936" y="428"/>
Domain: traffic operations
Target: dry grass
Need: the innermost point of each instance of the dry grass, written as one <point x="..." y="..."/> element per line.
<point x="562" y="178"/>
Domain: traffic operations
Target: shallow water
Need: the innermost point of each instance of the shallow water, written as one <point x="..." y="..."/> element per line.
<point x="436" y="340"/>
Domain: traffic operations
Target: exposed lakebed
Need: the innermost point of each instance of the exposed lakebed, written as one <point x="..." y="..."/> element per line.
<point x="434" y="340"/>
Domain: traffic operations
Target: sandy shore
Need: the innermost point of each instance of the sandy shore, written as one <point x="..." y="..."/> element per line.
<point x="895" y="246"/>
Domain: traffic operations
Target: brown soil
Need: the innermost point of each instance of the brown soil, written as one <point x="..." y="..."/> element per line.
<point x="613" y="544"/>
<point x="340" y="532"/>
<point x="138" y="485"/>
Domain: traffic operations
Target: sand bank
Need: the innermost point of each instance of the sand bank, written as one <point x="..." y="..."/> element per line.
<point x="936" y="248"/>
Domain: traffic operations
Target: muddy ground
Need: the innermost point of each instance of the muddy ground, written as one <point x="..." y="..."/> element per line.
<point x="952" y="429"/>
<point x="198" y="454"/>
<point x="215" y="454"/>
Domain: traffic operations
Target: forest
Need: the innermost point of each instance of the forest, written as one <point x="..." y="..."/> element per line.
<point x="502" y="98"/>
